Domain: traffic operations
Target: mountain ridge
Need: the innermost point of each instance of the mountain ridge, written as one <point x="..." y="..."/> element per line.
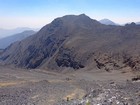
<point x="77" y="42"/>
<point x="5" y="42"/>
<point x="138" y="23"/>
<point x="8" y="32"/>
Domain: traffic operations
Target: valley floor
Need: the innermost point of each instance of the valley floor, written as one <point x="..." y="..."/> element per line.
<point x="41" y="87"/>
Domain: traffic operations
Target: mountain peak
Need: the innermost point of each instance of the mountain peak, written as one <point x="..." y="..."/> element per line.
<point x="76" y="42"/>
<point x="81" y="20"/>
<point x="75" y="16"/>
<point x="107" y="22"/>
<point x="83" y="14"/>
<point x="132" y="24"/>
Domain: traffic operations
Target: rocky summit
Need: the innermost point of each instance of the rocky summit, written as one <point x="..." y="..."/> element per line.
<point x="76" y="42"/>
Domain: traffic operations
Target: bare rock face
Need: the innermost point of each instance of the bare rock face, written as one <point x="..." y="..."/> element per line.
<point x="66" y="58"/>
<point x="77" y="42"/>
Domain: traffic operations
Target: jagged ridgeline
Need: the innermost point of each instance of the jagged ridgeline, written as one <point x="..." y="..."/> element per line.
<point x="77" y="42"/>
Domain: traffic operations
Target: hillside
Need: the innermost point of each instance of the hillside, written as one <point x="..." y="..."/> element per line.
<point x="5" y="42"/>
<point x="77" y="42"/>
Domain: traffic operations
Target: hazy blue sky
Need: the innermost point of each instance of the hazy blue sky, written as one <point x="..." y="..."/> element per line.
<point x="36" y="13"/>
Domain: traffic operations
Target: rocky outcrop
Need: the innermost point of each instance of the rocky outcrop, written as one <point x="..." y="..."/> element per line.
<point x="66" y="58"/>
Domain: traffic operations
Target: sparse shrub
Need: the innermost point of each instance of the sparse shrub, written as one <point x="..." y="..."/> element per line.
<point x="68" y="99"/>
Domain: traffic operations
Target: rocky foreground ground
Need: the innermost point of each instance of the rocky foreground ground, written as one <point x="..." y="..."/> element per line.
<point x="38" y="87"/>
<point x="126" y="93"/>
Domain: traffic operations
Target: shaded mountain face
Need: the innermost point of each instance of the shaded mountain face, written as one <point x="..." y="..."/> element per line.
<point x="77" y="42"/>
<point x="107" y="22"/>
<point x="1" y="51"/>
<point x="5" y="42"/>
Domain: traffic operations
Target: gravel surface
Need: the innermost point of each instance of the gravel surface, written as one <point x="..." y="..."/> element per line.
<point x="39" y="87"/>
<point x="125" y="93"/>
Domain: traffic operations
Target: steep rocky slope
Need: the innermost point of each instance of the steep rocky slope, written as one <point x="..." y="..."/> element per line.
<point x="77" y="42"/>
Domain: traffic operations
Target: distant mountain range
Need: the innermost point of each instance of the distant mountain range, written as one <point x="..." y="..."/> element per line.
<point x="75" y="42"/>
<point x="8" y="32"/>
<point x="137" y="22"/>
<point x="107" y="22"/>
<point x="5" y="42"/>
